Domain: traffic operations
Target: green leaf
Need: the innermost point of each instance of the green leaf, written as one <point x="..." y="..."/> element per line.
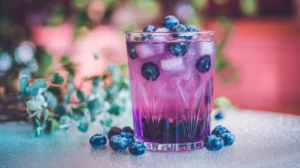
<point x="44" y="61"/>
<point x="67" y="97"/>
<point x="57" y="79"/>
<point x="33" y="105"/>
<point x="106" y="122"/>
<point x="130" y="27"/>
<point x="115" y="110"/>
<point x="68" y="65"/>
<point x="23" y="85"/>
<point x="51" y="100"/>
<point x="60" y="110"/>
<point x="94" y="106"/>
<point x="80" y="96"/>
<point x="96" y="81"/>
<point x="40" y="99"/>
<point x="56" y="91"/>
<point x="116" y="73"/>
<point x="83" y="126"/>
<point x="51" y="125"/>
<point x="38" y="131"/>
<point x="65" y="122"/>
<point x="223" y="102"/>
<point x="249" y="7"/>
<point x="78" y="113"/>
<point x="38" y="87"/>
<point x="96" y="56"/>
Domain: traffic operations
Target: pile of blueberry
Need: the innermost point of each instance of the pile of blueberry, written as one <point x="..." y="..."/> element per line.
<point x="119" y="141"/>
<point x="219" y="137"/>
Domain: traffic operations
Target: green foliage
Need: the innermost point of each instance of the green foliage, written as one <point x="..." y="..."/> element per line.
<point x="60" y="110"/>
<point x="23" y="86"/>
<point x="223" y="102"/>
<point x="38" y="87"/>
<point x="80" y="96"/>
<point x="57" y="79"/>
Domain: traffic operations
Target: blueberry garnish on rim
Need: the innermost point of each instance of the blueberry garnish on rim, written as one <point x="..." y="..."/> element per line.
<point x="203" y="64"/>
<point x="149" y="28"/>
<point x="179" y="29"/>
<point x="170" y="22"/>
<point x="150" y="71"/>
<point x="178" y="49"/>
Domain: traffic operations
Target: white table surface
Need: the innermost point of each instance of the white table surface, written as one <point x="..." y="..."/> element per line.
<point x="263" y="140"/>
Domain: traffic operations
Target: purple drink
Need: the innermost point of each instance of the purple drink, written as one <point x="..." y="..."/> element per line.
<point x="171" y="82"/>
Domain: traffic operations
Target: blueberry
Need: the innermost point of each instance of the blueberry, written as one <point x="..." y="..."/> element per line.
<point x="113" y="131"/>
<point x="137" y="148"/>
<point x="178" y="49"/>
<point x="131" y="53"/>
<point x="98" y="141"/>
<point x="149" y="28"/>
<point x="219" y="130"/>
<point x="213" y="143"/>
<point x="203" y="64"/>
<point x="219" y="115"/>
<point x="118" y="143"/>
<point x="128" y="129"/>
<point x="179" y="29"/>
<point x="192" y="28"/>
<point x="170" y="22"/>
<point x="228" y="138"/>
<point x="150" y="71"/>
<point x="129" y="137"/>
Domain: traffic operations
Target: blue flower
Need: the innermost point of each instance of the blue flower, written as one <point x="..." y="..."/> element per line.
<point x="5" y="62"/>
<point x="24" y="53"/>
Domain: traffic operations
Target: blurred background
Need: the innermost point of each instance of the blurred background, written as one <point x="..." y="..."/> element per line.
<point x="257" y="52"/>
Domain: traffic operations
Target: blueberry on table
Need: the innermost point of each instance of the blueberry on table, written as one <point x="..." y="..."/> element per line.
<point x="203" y="64"/>
<point x="178" y="49"/>
<point x="149" y="28"/>
<point x="213" y="143"/>
<point x="179" y="29"/>
<point x="131" y="52"/>
<point x="219" y="115"/>
<point x="128" y="129"/>
<point x="113" y="131"/>
<point x="170" y="22"/>
<point x="219" y="130"/>
<point x="118" y="143"/>
<point x="129" y="137"/>
<point x="150" y="71"/>
<point x="98" y="141"/>
<point x="137" y="149"/>
<point x="192" y="28"/>
<point x="228" y="138"/>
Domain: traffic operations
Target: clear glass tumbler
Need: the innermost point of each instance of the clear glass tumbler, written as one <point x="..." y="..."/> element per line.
<point x="171" y="81"/>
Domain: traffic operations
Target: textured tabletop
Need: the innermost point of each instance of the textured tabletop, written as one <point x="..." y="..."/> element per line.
<point x="263" y="140"/>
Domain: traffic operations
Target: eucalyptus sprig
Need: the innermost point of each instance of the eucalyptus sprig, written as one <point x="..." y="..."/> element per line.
<point x="51" y="106"/>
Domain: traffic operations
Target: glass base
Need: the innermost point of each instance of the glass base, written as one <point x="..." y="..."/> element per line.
<point x="174" y="147"/>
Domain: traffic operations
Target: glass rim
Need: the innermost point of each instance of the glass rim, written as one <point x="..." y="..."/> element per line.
<point x="201" y="32"/>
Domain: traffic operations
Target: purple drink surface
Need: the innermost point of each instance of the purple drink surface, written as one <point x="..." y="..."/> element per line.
<point x="175" y="107"/>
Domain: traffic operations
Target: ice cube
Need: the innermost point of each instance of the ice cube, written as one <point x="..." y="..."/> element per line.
<point x="145" y="51"/>
<point x="173" y="64"/>
<point x="160" y="48"/>
<point x="162" y="29"/>
<point x="207" y="48"/>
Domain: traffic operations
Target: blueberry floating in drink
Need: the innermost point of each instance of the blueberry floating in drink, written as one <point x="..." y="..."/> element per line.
<point x="150" y="71"/>
<point x="178" y="48"/>
<point x="98" y="141"/>
<point x="203" y="64"/>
